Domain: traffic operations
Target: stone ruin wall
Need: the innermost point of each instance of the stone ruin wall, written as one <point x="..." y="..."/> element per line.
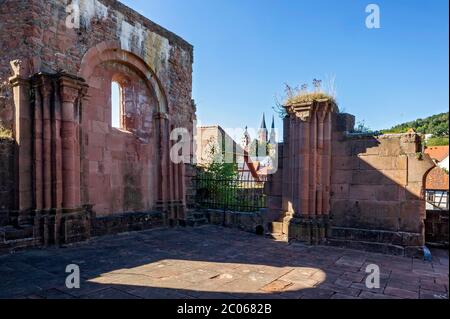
<point x="120" y="170"/>
<point x="376" y="182"/>
<point x="376" y="191"/>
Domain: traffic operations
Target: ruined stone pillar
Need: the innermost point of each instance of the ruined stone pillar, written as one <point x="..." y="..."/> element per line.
<point x="163" y="191"/>
<point x="38" y="132"/>
<point x="309" y="161"/>
<point x="71" y="91"/>
<point x="57" y="185"/>
<point x="23" y="139"/>
<point x="171" y="176"/>
<point x="46" y="127"/>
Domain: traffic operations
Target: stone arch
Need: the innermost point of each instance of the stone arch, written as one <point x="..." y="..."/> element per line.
<point x="123" y="162"/>
<point x="111" y="51"/>
<point x="425" y="178"/>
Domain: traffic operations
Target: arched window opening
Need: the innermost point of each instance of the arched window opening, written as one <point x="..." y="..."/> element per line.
<point x="116" y="105"/>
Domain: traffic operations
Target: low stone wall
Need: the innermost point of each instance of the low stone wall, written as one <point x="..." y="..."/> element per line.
<point x="249" y="222"/>
<point x="377" y="184"/>
<point x="128" y="222"/>
<point x="73" y="227"/>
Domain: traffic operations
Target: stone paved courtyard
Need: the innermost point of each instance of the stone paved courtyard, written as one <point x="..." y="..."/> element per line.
<point x="214" y="262"/>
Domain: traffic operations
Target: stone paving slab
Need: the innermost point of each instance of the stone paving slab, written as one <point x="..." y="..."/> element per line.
<point x="216" y="263"/>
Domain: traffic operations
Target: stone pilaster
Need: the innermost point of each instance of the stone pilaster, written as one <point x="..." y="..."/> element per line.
<point x="308" y="195"/>
<point x="161" y="124"/>
<point x="171" y="176"/>
<point x="23" y="138"/>
<point x="71" y="91"/>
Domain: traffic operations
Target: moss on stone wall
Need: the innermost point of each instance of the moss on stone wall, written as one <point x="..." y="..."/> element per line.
<point x="5" y="133"/>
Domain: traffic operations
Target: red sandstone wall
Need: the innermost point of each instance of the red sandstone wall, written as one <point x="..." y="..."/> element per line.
<point x="377" y="189"/>
<point x="13" y="45"/>
<point x="377" y="182"/>
<point x="376" y="195"/>
<point x="118" y="167"/>
<point x="56" y="47"/>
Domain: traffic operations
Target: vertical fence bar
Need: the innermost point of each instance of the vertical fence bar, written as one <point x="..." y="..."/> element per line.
<point x="240" y="194"/>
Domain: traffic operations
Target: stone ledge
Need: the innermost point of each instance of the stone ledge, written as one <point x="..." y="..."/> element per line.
<point x="404" y="239"/>
<point x="383" y="248"/>
<point x="127" y="222"/>
<point x="249" y="222"/>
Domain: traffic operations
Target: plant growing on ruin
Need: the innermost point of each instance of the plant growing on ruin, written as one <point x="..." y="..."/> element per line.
<point x="419" y="156"/>
<point x="5" y="133"/>
<point x="362" y="128"/>
<point x="301" y="94"/>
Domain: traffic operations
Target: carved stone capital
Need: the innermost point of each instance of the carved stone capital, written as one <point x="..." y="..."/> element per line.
<point x="69" y="94"/>
<point x="20" y="71"/>
<point x="303" y="112"/>
<point x="71" y="88"/>
<point x="18" y="81"/>
<point x="306" y="111"/>
<point x="20" y="68"/>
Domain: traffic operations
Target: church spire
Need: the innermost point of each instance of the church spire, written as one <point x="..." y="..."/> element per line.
<point x="273" y="135"/>
<point x="263" y="130"/>
<point x="263" y="124"/>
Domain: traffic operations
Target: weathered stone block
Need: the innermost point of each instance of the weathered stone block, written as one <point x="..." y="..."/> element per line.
<point x="340" y="191"/>
<point x="339" y="176"/>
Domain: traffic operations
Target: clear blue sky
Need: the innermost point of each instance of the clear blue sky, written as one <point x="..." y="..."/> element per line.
<point x="246" y="49"/>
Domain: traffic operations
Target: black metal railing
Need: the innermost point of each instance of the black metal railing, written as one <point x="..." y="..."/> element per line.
<point x="243" y="195"/>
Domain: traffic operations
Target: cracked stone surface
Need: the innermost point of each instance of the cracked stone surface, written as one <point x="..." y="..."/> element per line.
<point x="216" y="263"/>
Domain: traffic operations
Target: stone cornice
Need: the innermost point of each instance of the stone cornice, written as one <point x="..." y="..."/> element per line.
<point x="304" y="111"/>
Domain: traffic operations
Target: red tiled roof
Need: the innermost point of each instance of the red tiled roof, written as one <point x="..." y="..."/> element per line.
<point x="437" y="153"/>
<point x="437" y="179"/>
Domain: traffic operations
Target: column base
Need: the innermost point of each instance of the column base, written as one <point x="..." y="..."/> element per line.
<point x="63" y="226"/>
<point x="174" y="212"/>
<point x="311" y="231"/>
<point x="42" y="228"/>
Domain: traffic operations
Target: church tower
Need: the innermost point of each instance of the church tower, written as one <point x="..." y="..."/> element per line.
<point x="262" y="134"/>
<point x="246" y="140"/>
<point x="273" y="135"/>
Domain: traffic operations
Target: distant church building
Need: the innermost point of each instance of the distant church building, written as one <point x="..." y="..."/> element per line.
<point x="252" y="156"/>
<point x="263" y="143"/>
<point x="260" y="148"/>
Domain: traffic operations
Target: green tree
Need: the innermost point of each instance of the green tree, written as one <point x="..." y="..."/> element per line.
<point x="216" y="168"/>
<point x="361" y="127"/>
<point x="438" y="141"/>
<point x="218" y="178"/>
<point x="438" y="125"/>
